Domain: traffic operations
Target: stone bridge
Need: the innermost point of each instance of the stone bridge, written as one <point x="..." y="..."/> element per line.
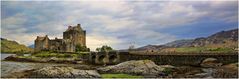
<point x="103" y="57"/>
<point x="162" y="58"/>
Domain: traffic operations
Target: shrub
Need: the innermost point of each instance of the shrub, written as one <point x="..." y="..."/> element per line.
<point x="80" y="48"/>
<point x="104" y="48"/>
<point x="167" y="71"/>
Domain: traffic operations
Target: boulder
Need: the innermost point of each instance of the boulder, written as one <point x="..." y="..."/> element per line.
<point x="140" y="67"/>
<point x="226" y="71"/>
<point x="186" y="72"/>
<point x="210" y="63"/>
<point x="63" y="72"/>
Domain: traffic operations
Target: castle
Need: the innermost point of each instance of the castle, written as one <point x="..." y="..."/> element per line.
<point x="72" y="37"/>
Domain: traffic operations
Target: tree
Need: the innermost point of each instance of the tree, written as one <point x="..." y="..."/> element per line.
<point x="104" y="48"/>
<point x="80" y="48"/>
<point x="131" y="47"/>
<point x="98" y="49"/>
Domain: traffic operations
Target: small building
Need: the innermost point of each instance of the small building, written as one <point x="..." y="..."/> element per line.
<point x="73" y="36"/>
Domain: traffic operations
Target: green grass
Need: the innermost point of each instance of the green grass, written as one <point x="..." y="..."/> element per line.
<point x="190" y="49"/>
<point x="220" y="49"/>
<point x="202" y="49"/>
<point x="120" y="76"/>
<point x="47" y="54"/>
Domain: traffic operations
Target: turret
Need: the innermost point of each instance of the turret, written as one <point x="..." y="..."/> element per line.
<point x="37" y="37"/>
<point x="79" y="27"/>
<point x="78" y="24"/>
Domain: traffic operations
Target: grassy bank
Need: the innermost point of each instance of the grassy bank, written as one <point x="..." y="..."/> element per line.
<point x="48" y="54"/>
<point x="8" y="46"/>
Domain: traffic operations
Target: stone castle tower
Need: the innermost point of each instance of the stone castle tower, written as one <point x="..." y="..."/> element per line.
<point x="73" y="36"/>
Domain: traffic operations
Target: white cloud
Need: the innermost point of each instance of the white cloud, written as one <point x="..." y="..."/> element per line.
<point x="95" y="41"/>
<point x="14" y="22"/>
<point x="114" y="24"/>
<point x="171" y="14"/>
<point x="114" y="7"/>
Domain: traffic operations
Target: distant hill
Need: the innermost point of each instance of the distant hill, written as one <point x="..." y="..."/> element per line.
<point x="31" y="46"/>
<point x="180" y="43"/>
<point x="8" y="46"/>
<point x="151" y="47"/>
<point x="223" y="39"/>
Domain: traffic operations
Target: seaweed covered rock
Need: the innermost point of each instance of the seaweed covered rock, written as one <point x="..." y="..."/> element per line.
<point x="63" y="72"/>
<point x="140" y="67"/>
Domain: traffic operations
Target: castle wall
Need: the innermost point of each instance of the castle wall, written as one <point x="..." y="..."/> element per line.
<point x="38" y="46"/>
<point x="41" y="45"/>
<point x="68" y="46"/>
<point x="76" y="36"/>
<point x="56" y="45"/>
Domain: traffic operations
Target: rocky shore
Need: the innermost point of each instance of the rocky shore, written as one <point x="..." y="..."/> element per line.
<point x="210" y="68"/>
<point x="42" y="60"/>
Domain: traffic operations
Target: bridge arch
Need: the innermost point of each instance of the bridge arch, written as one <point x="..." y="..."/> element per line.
<point x="93" y="57"/>
<point x="101" y="58"/>
<point x="112" y="58"/>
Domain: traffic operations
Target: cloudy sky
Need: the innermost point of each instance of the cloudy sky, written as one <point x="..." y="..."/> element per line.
<point x="117" y="23"/>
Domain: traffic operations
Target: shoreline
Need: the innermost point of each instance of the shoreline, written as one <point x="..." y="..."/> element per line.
<point x="41" y="60"/>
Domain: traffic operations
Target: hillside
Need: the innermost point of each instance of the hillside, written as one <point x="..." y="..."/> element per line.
<point x="31" y="46"/>
<point x="220" y="41"/>
<point x="8" y="46"/>
<point x="180" y="43"/>
<point x="223" y="37"/>
<point x="151" y="47"/>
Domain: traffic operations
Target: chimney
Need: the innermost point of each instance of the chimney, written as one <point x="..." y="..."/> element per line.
<point x="78" y="24"/>
<point x="69" y="27"/>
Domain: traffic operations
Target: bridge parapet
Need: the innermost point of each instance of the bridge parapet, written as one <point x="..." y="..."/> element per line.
<point x="161" y="58"/>
<point x="182" y="53"/>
